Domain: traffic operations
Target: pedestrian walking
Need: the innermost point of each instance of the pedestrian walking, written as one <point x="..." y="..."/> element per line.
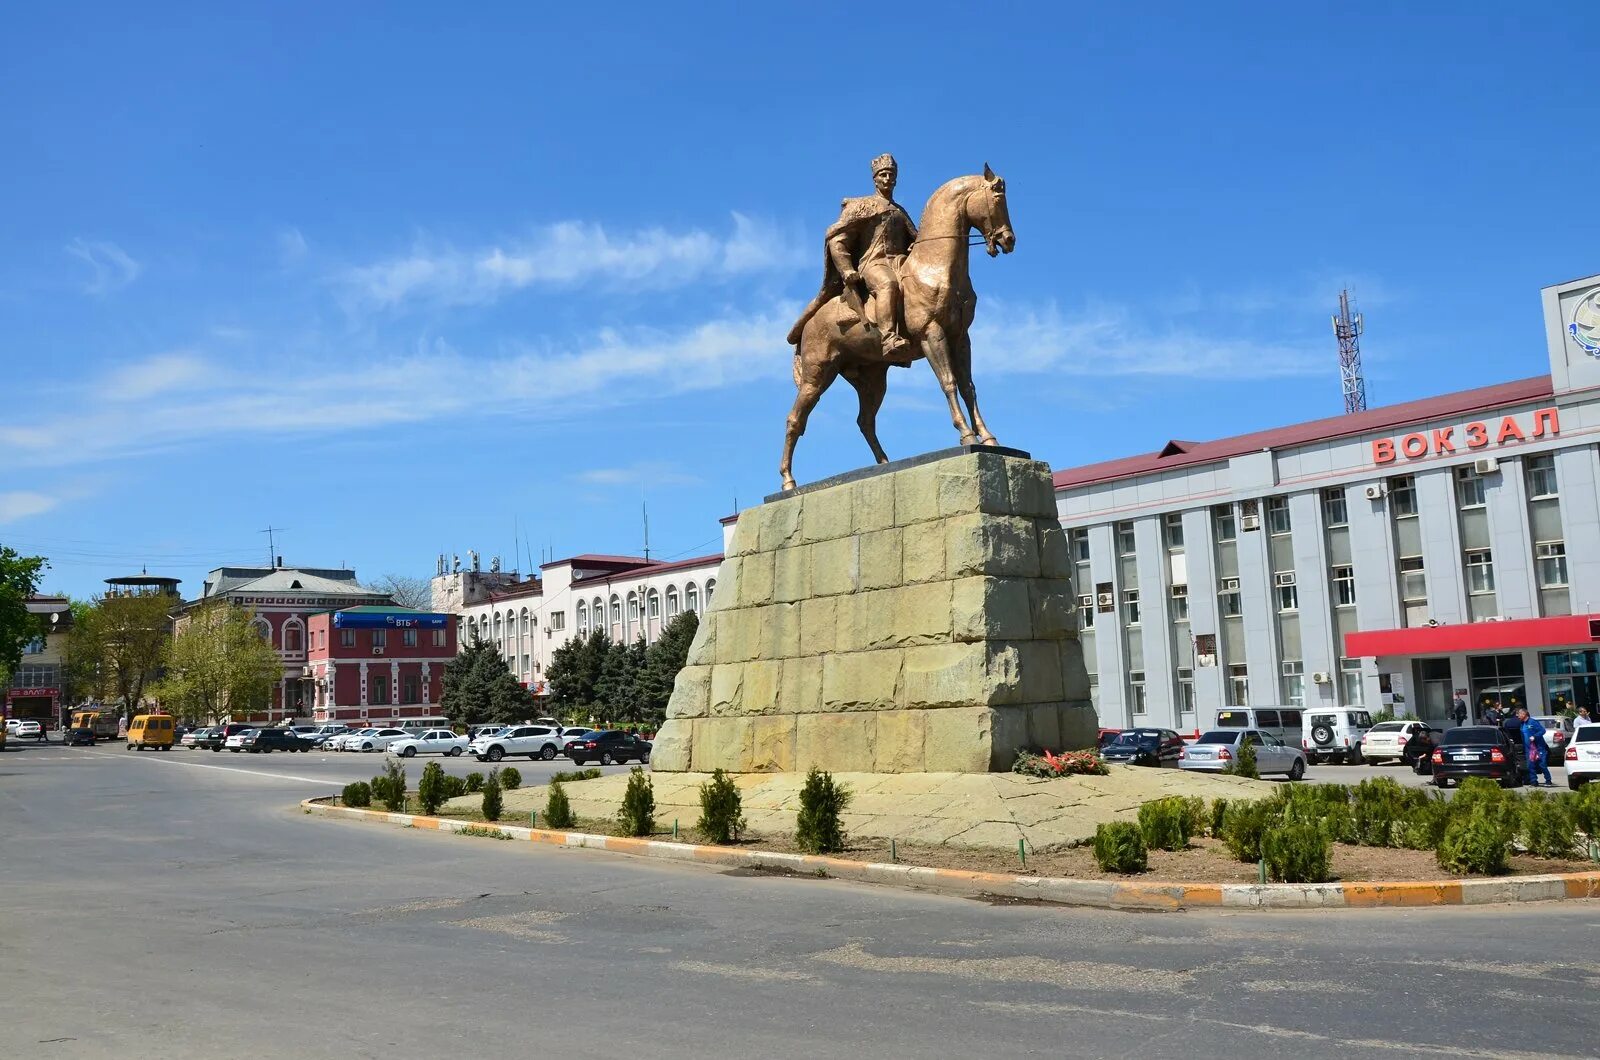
<point x="1533" y="741"/>
<point x="1459" y="711"/>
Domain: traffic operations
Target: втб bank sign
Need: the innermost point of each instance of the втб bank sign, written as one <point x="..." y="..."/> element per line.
<point x="1481" y="434"/>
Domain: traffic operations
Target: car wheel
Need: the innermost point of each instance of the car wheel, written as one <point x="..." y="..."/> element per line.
<point x="644" y="759"/>
<point x="1297" y="770"/>
<point x="495" y="754"/>
<point x="1322" y="734"/>
<point x="455" y="752"/>
<point x="1315" y="760"/>
<point x="214" y="750"/>
<point x="606" y="759"/>
<point x="548" y="753"/>
<point x="1354" y="757"/>
<point x="578" y="761"/>
<point x="409" y="752"/>
<point x="132" y="748"/>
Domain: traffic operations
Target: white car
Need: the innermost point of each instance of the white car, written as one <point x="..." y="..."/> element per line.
<point x="237" y="742"/>
<point x="1386" y="741"/>
<point x="349" y="740"/>
<point x="1218" y="750"/>
<point x="535" y="741"/>
<point x="28" y="729"/>
<point x="376" y="739"/>
<point x="572" y="732"/>
<point x="11" y="725"/>
<point x="1583" y="755"/>
<point x="432" y="742"/>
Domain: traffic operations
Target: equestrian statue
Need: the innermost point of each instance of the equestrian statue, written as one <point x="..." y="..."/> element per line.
<point x="893" y="292"/>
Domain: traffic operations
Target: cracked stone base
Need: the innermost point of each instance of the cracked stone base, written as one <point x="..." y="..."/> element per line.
<point x="904" y="620"/>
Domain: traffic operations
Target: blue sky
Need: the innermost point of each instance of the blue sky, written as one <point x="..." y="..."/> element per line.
<point x="409" y="279"/>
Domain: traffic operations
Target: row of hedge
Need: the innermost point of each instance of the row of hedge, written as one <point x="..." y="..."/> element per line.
<point x="434" y="790"/>
<point x="1292" y="831"/>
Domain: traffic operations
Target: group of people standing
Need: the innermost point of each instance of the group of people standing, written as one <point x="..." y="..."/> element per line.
<point x="1519" y="724"/>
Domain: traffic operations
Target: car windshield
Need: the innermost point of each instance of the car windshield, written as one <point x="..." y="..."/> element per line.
<point x="1129" y="740"/>
<point x="1472" y="736"/>
<point x="1218" y="737"/>
<point x="1388" y="726"/>
<point x="250" y="732"/>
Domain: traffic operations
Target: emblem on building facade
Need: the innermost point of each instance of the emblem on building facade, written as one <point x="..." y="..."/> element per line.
<point x="1585" y="324"/>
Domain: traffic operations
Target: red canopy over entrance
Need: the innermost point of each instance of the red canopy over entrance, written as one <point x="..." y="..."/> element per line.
<point x="1474" y="637"/>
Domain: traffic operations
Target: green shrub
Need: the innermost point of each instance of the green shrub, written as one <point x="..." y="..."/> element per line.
<point x="1425" y="822"/>
<point x="1195" y="816"/>
<point x="1244" y="762"/>
<point x="1164" y="824"/>
<point x="357" y="794"/>
<point x="1476" y="841"/>
<point x="721" y="816"/>
<point x="1119" y="847"/>
<point x="390" y="787"/>
<point x="483" y="831"/>
<point x="576" y="774"/>
<point x="1547" y="827"/>
<point x="1380" y="806"/>
<point x="557" y="810"/>
<point x="1480" y="791"/>
<point x="430" y="789"/>
<point x="453" y="787"/>
<point x="1296" y="853"/>
<point x="638" y="813"/>
<point x="1585" y="809"/>
<point x="510" y="778"/>
<point x="1244" y="824"/>
<point x="1219" y="809"/>
<point x="821" y="801"/>
<point x="474" y="783"/>
<point x="492" y="803"/>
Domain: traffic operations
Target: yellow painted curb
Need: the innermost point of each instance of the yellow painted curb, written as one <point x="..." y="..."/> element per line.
<point x="1108" y="894"/>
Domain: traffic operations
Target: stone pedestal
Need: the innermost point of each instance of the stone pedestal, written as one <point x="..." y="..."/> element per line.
<point x="912" y="617"/>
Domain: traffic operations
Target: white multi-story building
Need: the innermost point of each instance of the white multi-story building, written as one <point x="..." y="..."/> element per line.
<point x="1401" y="556"/>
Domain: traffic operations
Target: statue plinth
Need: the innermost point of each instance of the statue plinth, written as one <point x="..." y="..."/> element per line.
<point x="911" y="617"/>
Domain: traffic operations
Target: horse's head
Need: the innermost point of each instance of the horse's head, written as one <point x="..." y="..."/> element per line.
<point x="986" y="209"/>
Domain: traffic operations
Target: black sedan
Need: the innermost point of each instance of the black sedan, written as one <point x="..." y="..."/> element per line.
<point x="606" y="747"/>
<point x="78" y="736"/>
<point x="1477" y="751"/>
<point x="1144" y="747"/>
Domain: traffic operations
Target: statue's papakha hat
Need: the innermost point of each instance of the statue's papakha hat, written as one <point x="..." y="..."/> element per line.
<point x="884" y="162"/>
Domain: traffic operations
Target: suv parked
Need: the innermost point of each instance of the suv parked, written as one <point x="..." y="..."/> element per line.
<point x="1282" y="721"/>
<point x="217" y="736"/>
<point x="535" y="741"/>
<point x="1335" y="734"/>
<point x="608" y="746"/>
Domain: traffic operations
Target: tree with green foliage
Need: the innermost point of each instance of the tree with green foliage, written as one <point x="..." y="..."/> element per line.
<point x="480" y="687"/>
<point x="19" y="579"/>
<point x="662" y="661"/>
<point x="217" y="663"/>
<point x="118" y="645"/>
<point x="574" y="671"/>
<point x="616" y="691"/>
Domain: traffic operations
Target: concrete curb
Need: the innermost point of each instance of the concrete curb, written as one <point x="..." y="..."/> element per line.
<point x="1106" y="894"/>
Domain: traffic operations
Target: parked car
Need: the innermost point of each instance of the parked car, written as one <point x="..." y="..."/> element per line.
<point x="608" y="746"/>
<point x="485" y="730"/>
<point x="1557" y="731"/>
<point x="432" y="742"/>
<point x="327" y="732"/>
<point x="1218" y="750"/>
<point x="1582" y="755"/>
<point x="1334" y="735"/>
<point x="28" y="729"/>
<point x="1284" y="722"/>
<point x="376" y="739"/>
<point x="265" y="741"/>
<point x="347" y="741"/>
<point x="11" y="725"/>
<point x="217" y="737"/>
<point x="192" y="738"/>
<point x="1478" y="751"/>
<point x="1105" y="736"/>
<point x="1390" y="741"/>
<point x="78" y="736"/>
<point x="535" y="741"/>
<point x="1144" y="747"/>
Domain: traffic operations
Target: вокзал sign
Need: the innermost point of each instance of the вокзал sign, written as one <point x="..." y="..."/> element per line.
<point x="1480" y="434"/>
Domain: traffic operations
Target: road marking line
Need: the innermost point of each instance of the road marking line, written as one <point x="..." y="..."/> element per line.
<point x="224" y="769"/>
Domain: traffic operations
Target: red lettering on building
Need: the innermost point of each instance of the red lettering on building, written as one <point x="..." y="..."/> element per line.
<point x="1382" y="451"/>
<point x="1477" y="435"/>
<point x="1414" y="445"/>
<point x="1509" y="429"/>
<point x="1442" y="442"/>
<point x="1546" y="418"/>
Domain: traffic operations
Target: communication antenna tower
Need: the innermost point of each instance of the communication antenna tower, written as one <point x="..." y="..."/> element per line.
<point x="1347" y="330"/>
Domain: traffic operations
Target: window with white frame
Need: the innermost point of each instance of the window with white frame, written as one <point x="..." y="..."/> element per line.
<point x="652" y="603"/>
<point x="440" y="638"/>
<point x="1172" y="530"/>
<point x="1136" y="692"/>
<point x="691" y="597"/>
<point x="408" y="638"/>
<point x="711" y="590"/>
<point x="1130" y="607"/>
<point x="1550" y="559"/>
<point x="1334" y="510"/>
<point x="1180" y="603"/>
<point x="1238" y="685"/>
<point x="1078" y="544"/>
<point x="1294" y="682"/>
<point x="1277" y="515"/>
<point x="558" y="620"/>
<point x="672" y="602"/>
<point x="1350" y="688"/>
<point x="1126" y="545"/>
<point x="1086" y="611"/>
<point x="380" y="638"/>
<point x="1223" y="522"/>
<point x="1185" y="690"/>
<point x="1403" y="496"/>
<point x="1230" y="602"/>
<point x="1541" y="475"/>
<point x="1343" y="578"/>
<point x="583" y="617"/>
<point x="1286" y="591"/>
<point x="1413" y="580"/>
<point x="1480" y="571"/>
<point x="1469" y="487"/>
<point x="347" y="638"/>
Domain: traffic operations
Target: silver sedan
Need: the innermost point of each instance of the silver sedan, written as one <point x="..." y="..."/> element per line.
<point x="1218" y="750"/>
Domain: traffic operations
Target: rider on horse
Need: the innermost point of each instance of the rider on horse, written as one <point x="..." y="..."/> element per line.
<point x="865" y="246"/>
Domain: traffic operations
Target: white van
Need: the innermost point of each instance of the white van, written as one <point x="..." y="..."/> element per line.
<point x="1334" y="734"/>
<point x="1281" y="721"/>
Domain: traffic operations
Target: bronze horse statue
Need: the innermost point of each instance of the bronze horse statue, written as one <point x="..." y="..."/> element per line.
<point x="939" y="303"/>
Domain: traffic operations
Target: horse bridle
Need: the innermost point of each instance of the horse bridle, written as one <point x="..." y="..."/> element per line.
<point x="981" y="241"/>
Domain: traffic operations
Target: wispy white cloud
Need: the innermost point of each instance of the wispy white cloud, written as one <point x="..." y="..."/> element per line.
<point x="644" y="473"/>
<point x="20" y="504"/>
<point x="292" y="246"/>
<point x="112" y="267"/>
<point x="163" y="373"/>
<point x="569" y="254"/>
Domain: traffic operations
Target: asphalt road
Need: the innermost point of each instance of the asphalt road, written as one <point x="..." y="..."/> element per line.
<point x="173" y="905"/>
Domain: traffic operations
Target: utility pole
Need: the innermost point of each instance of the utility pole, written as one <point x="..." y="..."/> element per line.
<point x="645" y="508"/>
<point x="1347" y="330"/>
<point x="272" y="549"/>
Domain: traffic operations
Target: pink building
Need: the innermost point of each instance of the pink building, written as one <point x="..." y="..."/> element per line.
<point x="380" y="665"/>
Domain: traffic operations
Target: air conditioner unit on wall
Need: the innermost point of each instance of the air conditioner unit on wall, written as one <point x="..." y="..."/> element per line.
<point x="1283" y="578"/>
<point x="1250" y="522"/>
<point x="377" y="651"/>
<point x="1486" y="465"/>
<point x="1105" y="600"/>
<point x="1375" y="492"/>
<point x="1320" y="677"/>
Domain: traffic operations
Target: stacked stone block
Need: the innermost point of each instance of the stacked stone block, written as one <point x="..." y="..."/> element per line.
<point x="915" y="620"/>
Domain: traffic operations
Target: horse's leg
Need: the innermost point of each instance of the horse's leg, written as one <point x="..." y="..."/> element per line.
<point x="961" y="362"/>
<point x="813" y="374"/>
<point x="936" y="347"/>
<point x="871" y="381"/>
